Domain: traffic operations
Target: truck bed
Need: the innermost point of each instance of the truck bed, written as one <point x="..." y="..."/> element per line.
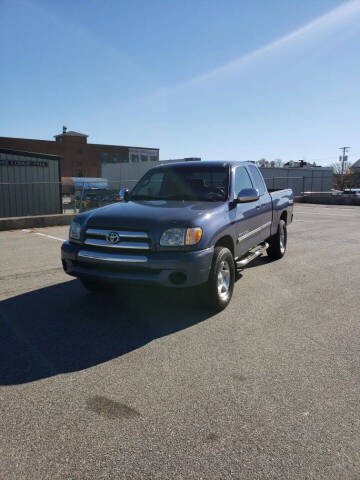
<point x="281" y="200"/>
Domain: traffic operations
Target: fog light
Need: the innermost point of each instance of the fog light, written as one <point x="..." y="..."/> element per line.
<point x="177" y="278"/>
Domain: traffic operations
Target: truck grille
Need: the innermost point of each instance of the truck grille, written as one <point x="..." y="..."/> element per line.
<point x="115" y="246"/>
<point x="112" y="240"/>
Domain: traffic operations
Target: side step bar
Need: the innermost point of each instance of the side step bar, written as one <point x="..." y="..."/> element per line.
<point x="259" y="250"/>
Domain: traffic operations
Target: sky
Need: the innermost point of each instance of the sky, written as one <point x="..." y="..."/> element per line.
<point x="229" y="79"/>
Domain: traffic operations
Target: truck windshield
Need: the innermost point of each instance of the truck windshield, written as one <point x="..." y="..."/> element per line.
<point x="183" y="183"/>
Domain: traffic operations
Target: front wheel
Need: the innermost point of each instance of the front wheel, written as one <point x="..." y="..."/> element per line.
<point x="220" y="286"/>
<point x="278" y="242"/>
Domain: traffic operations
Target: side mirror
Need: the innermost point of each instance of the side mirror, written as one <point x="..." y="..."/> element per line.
<point x="123" y="195"/>
<point x="248" y="195"/>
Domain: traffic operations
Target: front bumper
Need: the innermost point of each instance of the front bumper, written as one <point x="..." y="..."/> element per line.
<point x="168" y="269"/>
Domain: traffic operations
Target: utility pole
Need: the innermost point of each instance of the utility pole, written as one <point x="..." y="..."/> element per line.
<point x="343" y="158"/>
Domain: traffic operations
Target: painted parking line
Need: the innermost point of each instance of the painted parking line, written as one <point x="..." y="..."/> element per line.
<point x="320" y="214"/>
<point x="327" y="209"/>
<point x="44" y="235"/>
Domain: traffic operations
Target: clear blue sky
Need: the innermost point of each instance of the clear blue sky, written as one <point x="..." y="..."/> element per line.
<point x="229" y="79"/>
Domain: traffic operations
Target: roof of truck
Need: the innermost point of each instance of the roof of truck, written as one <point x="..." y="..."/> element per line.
<point x="205" y="163"/>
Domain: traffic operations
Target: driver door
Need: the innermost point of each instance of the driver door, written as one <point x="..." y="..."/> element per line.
<point x="245" y="214"/>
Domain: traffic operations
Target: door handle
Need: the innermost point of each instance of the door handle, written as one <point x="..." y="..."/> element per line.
<point x="257" y="207"/>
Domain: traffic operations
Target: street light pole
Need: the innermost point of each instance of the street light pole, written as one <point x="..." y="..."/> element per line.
<point x="343" y="159"/>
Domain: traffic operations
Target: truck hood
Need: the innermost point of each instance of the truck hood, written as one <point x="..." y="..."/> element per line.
<point x="153" y="214"/>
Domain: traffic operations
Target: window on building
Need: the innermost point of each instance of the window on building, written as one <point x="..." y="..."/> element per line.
<point x="134" y="158"/>
<point x="116" y="158"/>
<point x="242" y="180"/>
<point x="124" y="160"/>
<point x="144" y="158"/>
<point x="104" y="157"/>
<point x="258" y="179"/>
<point x="153" y="158"/>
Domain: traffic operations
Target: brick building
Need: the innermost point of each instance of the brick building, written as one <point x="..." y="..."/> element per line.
<point x="78" y="157"/>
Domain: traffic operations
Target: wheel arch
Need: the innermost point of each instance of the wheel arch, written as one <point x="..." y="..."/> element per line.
<point x="226" y="241"/>
<point x="284" y="216"/>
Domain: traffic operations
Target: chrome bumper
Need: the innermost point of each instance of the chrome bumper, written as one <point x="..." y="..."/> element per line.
<point x="153" y="269"/>
<point x="101" y="257"/>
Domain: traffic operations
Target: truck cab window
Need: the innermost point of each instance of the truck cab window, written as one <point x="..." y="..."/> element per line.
<point x="192" y="183"/>
<point x="242" y="180"/>
<point x="151" y="186"/>
<point x="258" y="180"/>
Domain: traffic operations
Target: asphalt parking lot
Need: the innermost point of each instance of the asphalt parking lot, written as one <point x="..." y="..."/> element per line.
<point x="149" y="385"/>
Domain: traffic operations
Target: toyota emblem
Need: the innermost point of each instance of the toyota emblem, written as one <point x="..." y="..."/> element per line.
<point x="113" y="237"/>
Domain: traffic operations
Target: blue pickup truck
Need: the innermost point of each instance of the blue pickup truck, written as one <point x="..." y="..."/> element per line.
<point x="183" y="225"/>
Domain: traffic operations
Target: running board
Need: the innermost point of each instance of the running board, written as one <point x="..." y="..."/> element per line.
<point x="259" y="250"/>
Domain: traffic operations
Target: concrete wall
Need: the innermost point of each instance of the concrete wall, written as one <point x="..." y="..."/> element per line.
<point x="29" y="184"/>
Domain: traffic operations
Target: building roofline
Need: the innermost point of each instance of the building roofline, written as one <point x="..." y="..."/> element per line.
<point x="92" y="144"/>
<point x="71" y="133"/>
<point x="30" y="154"/>
<point x="122" y="146"/>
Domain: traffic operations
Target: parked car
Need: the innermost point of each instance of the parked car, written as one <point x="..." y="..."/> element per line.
<point x="352" y="192"/>
<point x="96" y="197"/>
<point x="183" y="225"/>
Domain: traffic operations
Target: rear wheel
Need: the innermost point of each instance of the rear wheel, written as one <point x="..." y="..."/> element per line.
<point x="219" y="288"/>
<point x="278" y="242"/>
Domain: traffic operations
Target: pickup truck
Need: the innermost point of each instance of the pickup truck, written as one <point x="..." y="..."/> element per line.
<point x="188" y="224"/>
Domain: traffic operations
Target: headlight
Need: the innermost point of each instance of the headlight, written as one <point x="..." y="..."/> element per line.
<point x="176" y="237"/>
<point x="75" y="231"/>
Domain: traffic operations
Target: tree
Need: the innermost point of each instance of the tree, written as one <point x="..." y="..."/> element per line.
<point x="278" y="162"/>
<point x="262" y="162"/>
<point x="337" y="167"/>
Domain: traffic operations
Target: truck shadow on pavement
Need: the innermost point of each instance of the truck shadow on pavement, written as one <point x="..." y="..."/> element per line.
<point x="62" y="328"/>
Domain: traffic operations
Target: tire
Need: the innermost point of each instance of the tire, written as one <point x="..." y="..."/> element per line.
<point x="219" y="288"/>
<point x="278" y="242"/>
<point x="95" y="286"/>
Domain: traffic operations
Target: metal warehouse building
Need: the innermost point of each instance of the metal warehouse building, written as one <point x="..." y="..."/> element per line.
<point x="30" y="183"/>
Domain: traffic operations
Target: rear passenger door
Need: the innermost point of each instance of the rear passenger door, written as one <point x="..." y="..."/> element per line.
<point x="263" y="206"/>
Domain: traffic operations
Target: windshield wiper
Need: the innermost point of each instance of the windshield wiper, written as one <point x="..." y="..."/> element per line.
<point x="144" y="197"/>
<point x="179" y="197"/>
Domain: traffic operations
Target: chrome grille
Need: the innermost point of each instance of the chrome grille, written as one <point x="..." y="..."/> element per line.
<point x="99" y="239"/>
<point x="97" y="232"/>
<point x="99" y="242"/>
